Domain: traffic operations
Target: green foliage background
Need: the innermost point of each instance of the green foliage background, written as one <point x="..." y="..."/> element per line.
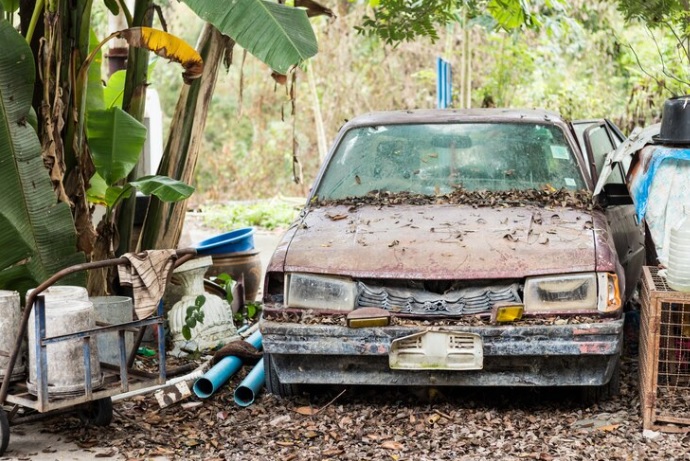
<point x="589" y="64"/>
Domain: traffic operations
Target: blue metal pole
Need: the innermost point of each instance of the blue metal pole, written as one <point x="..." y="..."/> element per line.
<point x="449" y="86"/>
<point x="205" y="386"/>
<point x="250" y="385"/>
<point x="444" y="87"/>
<point x="439" y="84"/>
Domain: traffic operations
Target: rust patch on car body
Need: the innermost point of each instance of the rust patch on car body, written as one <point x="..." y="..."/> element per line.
<point x="443" y="242"/>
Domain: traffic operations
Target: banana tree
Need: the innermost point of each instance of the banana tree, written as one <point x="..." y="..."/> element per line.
<point x="78" y="134"/>
<point x="37" y="234"/>
<point x="280" y="36"/>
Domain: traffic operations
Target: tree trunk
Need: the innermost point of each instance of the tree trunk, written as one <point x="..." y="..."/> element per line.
<point x="163" y="223"/>
<point x="318" y="119"/>
<point x="134" y="103"/>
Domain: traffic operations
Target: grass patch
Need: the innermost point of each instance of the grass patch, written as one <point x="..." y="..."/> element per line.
<point x="262" y="214"/>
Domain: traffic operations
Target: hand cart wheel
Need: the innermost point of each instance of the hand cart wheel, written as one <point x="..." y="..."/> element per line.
<point x="4" y="431"/>
<point x="97" y="412"/>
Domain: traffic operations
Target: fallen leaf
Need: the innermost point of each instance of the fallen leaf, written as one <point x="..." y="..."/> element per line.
<point x="188" y="405"/>
<point x="107" y="454"/>
<point x="608" y="427"/>
<point x="336" y="217"/>
<point x="392" y="445"/>
<point x="306" y="411"/>
<point x="279" y="420"/>
<point x="88" y="443"/>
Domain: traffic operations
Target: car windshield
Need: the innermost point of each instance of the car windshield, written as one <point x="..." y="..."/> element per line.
<point x="432" y="159"/>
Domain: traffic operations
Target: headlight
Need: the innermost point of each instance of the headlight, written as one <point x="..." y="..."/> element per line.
<point x="572" y="292"/>
<point x="322" y="292"/>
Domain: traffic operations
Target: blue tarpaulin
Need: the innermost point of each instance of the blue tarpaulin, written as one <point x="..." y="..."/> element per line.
<point x="640" y="188"/>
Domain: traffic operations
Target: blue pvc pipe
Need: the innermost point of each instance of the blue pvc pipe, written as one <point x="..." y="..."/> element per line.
<point x="250" y="385"/>
<point x="205" y="386"/>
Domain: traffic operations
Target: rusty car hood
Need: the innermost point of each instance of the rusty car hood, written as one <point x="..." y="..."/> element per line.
<point x="445" y="242"/>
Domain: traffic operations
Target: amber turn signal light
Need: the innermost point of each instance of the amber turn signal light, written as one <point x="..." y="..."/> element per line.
<point x="506" y="312"/>
<point x="368" y="317"/>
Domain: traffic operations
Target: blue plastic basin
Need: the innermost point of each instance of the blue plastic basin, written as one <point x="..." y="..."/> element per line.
<point x="230" y="242"/>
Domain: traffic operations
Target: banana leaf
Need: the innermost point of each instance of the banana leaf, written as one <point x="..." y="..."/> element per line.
<point x="166" y="189"/>
<point x="37" y="234"/>
<point x="94" y="89"/>
<point x="116" y="140"/>
<point x="279" y="35"/>
<point x="9" y="6"/>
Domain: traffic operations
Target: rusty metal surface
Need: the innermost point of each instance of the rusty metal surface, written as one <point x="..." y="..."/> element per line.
<point x="277" y="262"/>
<point x="514" y="355"/>
<point x="627" y="237"/>
<point x="181" y="256"/>
<point x="498" y="371"/>
<point x="444" y="242"/>
<point x="505" y="340"/>
<point x="456" y="116"/>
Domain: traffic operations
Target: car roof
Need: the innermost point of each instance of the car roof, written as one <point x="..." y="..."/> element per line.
<point x="456" y="115"/>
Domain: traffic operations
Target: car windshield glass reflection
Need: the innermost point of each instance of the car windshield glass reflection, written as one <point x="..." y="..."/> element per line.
<point x="437" y="158"/>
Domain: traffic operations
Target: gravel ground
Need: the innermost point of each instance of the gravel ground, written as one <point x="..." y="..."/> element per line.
<point x="384" y="424"/>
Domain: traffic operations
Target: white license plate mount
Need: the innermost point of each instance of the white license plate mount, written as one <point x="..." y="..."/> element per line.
<point x="437" y="350"/>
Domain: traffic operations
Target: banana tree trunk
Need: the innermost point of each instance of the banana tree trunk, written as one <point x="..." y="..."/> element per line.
<point x="134" y="103"/>
<point x="163" y="223"/>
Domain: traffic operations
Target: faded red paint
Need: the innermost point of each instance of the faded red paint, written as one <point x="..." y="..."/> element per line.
<point x="445" y="242"/>
<point x="585" y="331"/>
<point x="595" y="348"/>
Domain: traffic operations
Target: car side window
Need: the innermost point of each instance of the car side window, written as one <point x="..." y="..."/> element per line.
<point x="598" y="140"/>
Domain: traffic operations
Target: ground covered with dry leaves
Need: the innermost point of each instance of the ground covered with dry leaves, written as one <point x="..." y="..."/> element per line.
<point x="384" y="424"/>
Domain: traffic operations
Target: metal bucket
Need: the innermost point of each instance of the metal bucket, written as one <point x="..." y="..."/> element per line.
<point x="67" y="310"/>
<point x="247" y="263"/>
<point x="113" y="310"/>
<point x="10" y="319"/>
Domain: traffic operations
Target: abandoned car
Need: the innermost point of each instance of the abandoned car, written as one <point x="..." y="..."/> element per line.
<point x="455" y="248"/>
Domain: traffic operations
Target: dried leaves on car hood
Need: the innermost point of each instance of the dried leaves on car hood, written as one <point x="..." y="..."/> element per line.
<point x="547" y="197"/>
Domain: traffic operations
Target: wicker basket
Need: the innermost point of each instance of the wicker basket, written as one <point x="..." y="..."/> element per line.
<point x="664" y="355"/>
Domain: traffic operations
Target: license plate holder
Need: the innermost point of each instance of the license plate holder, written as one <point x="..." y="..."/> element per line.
<point x="437" y="350"/>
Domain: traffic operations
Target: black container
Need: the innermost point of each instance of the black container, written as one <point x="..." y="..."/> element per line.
<point x="675" y="122"/>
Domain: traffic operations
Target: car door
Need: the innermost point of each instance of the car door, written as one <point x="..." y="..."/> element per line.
<point x="597" y="138"/>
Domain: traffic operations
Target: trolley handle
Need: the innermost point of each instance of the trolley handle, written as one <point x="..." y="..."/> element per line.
<point x="180" y="257"/>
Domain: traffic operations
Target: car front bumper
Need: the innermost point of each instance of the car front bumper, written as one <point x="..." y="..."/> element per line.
<point x="514" y="355"/>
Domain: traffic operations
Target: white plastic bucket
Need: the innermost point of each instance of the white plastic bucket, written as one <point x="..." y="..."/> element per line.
<point x="67" y="310"/>
<point x="10" y="320"/>
<point x="678" y="274"/>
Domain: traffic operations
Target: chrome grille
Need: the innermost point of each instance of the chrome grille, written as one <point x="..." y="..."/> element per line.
<point x="475" y="300"/>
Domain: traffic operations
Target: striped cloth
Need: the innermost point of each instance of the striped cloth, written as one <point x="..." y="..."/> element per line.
<point x="147" y="274"/>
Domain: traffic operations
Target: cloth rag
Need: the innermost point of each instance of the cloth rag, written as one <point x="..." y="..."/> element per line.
<point x="147" y="274"/>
